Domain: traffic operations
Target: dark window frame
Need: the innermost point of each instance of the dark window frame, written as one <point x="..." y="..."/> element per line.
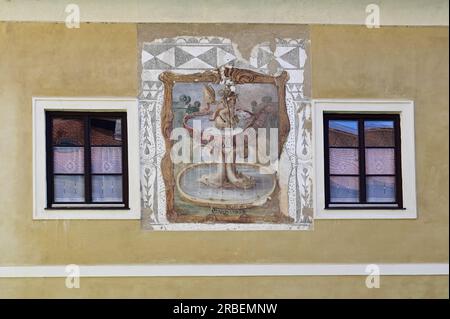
<point x="362" y="175"/>
<point x="87" y="145"/>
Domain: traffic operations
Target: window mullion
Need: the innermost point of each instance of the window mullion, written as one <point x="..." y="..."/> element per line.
<point x="362" y="162"/>
<point x="87" y="160"/>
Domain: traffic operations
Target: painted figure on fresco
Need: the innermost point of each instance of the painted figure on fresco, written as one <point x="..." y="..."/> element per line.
<point x="225" y="116"/>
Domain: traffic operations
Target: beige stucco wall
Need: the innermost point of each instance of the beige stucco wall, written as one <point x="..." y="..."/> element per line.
<point x="47" y="59"/>
<point x="243" y="287"/>
<point x="392" y="12"/>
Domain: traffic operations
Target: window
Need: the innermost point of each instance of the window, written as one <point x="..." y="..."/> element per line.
<point x="86" y="158"/>
<point x="364" y="159"/>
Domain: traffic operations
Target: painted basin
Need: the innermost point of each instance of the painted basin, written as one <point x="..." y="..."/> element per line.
<point x="192" y="190"/>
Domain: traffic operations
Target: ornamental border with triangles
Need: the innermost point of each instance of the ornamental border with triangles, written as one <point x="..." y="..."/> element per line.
<point x="188" y="54"/>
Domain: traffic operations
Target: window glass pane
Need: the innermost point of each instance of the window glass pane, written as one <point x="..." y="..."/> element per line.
<point x="69" y="132"/>
<point x="107" y="188"/>
<point x="343" y="133"/>
<point x="379" y="133"/>
<point x="380" y="189"/>
<point x="106" y="160"/>
<point x="69" y="188"/>
<point x="106" y="131"/>
<point x="380" y="161"/>
<point x="68" y="160"/>
<point x="344" y="189"/>
<point x="343" y="161"/>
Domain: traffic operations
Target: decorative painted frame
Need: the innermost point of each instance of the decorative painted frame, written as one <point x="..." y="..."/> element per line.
<point x="238" y="76"/>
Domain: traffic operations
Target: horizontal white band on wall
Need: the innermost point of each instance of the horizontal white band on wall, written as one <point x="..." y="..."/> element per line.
<point x="224" y="270"/>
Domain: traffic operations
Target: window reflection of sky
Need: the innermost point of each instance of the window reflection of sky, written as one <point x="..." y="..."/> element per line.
<point x="379" y="124"/>
<point x="344" y="125"/>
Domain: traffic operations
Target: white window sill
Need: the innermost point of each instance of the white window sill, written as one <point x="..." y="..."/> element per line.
<point x="121" y="213"/>
<point x="325" y="213"/>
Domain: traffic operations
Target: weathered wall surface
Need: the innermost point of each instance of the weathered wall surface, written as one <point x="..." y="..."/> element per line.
<point x="398" y="12"/>
<point x="46" y="59"/>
